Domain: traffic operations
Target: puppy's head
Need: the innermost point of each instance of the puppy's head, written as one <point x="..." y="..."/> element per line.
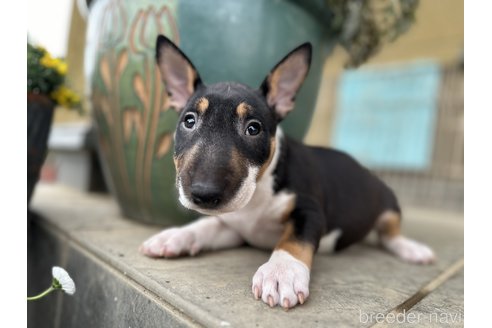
<point x="225" y="137"/>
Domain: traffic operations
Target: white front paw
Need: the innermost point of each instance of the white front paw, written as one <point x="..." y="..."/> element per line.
<point x="171" y="242"/>
<point x="282" y="280"/>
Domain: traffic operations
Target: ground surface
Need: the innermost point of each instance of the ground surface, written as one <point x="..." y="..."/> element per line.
<point x="118" y="287"/>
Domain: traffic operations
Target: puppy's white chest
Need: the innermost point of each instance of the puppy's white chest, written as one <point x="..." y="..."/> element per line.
<point x="260" y="223"/>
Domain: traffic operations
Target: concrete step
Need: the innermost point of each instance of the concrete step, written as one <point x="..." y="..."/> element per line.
<point x="118" y="287"/>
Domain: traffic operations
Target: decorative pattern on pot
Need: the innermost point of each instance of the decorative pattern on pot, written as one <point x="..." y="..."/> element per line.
<point x="130" y="108"/>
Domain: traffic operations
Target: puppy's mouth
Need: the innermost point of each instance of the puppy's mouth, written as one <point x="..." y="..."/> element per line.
<point x="210" y="200"/>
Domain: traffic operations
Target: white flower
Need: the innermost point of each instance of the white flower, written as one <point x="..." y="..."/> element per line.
<point x="65" y="282"/>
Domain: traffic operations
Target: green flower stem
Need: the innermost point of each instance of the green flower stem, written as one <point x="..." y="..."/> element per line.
<point x="46" y="292"/>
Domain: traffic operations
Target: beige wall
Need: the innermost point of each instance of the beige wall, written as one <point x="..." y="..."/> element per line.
<point x="75" y="61"/>
<point x="438" y="33"/>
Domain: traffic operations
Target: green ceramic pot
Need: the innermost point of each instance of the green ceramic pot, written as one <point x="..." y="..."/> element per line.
<point x="233" y="40"/>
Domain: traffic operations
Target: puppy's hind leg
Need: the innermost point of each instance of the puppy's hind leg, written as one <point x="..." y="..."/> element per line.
<point x="388" y="227"/>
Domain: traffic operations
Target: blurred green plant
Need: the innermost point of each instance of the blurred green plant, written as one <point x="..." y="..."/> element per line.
<point x="46" y="76"/>
<point x="364" y="26"/>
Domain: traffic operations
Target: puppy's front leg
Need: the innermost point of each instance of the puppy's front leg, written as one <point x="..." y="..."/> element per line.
<point x="207" y="233"/>
<point x="284" y="279"/>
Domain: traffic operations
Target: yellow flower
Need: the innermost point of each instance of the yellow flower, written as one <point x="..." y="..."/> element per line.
<point x="57" y="64"/>
<point x="61" y="68"/>
<point x="65" y="97"/>
<point x="47" y="61"/>
<point x="47" y="74"/>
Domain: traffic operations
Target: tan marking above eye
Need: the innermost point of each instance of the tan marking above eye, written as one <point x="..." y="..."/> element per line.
<point x="202" y="105"/>
<point x="242" y="109"/>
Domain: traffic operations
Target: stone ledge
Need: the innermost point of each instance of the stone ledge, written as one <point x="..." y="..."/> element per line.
<point x="117" y="287"/>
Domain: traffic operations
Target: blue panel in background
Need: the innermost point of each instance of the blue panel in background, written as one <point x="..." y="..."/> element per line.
<point x="386" y="116"/>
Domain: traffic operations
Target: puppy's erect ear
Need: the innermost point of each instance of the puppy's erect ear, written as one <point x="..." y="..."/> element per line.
<point x="281" y="85"/>
<point x="177" y="72"/>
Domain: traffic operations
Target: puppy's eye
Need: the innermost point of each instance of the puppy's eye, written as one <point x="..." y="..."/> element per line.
<point x="253" y="129"/>
<point x="189" y="120"/>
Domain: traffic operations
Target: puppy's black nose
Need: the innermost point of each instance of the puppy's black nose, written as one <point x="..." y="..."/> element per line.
<point x="206" y="195"/>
